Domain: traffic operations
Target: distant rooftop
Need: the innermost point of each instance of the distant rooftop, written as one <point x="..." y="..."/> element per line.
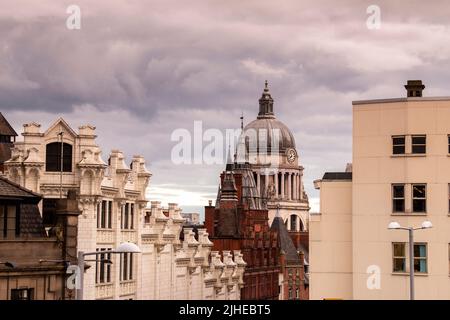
<point x="337" y="176"/>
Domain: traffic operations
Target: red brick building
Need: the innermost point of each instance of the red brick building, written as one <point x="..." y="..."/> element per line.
<point x="239" y="221"/>
<point x="295" y="285"/>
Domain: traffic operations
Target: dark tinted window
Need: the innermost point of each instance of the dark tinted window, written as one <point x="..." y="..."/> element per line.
<point x="53" y="157"/>
<point x="419" y="144"/>
<point x="398" y="144"/>
<point x="419" y="198"/>
<point x="398" y="198"/>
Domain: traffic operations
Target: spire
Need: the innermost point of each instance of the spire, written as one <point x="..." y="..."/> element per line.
<point x="228" y="190"/>
<point x="266" y="104"/>
<point x="278" y="211"/>
<point x="229" y="166"/>
<point x="242" y="121"/>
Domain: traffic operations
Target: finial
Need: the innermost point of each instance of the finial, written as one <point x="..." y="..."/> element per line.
<point x="266" y="86"/>
<point x="242" y="121"/>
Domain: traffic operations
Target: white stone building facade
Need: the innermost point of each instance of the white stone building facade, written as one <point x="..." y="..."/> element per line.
<point x="114" y="210"/>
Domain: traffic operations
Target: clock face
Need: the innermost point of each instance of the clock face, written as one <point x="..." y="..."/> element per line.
<point x="291" y="155"/>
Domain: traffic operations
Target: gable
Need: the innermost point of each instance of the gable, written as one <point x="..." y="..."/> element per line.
<point x="58" y="126"/>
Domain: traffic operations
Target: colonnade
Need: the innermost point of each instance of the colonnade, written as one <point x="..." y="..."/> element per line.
<point x="287" y="184"/>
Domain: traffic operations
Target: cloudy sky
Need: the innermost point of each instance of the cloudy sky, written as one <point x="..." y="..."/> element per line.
<point x="138" y="70"/>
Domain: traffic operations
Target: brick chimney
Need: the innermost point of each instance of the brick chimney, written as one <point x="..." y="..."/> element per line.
<point x="414" y="88"/>
<point x="67" y="213"/>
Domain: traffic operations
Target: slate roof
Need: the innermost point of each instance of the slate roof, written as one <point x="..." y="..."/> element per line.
<point x="12" y="191"/>
<point x="285" y="241"/>
<point x="31" y="222"/>
<point x="30" y="217"/>
<point x="5" y="127"/>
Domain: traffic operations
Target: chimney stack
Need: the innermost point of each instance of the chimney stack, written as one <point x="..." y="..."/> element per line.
<point x="414" y="88"/>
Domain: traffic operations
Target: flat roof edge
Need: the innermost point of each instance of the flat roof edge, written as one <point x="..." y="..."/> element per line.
<point x="393" y="100"/>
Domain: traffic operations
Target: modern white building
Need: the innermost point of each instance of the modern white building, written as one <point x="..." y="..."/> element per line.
<point x="401" y="173"/>
<point x="111" y="198"/>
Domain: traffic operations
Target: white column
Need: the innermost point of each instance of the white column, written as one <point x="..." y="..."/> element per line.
<point x="282" y="184"/>
<point x="289" y="189"/>
<point x="294" y="185"/>
<point x="297" y="186"/>
<point x="258" y="182"/>
<point x="266" y="184"/>
<point x="275" y="180"/>
<point x="300" y="189"/>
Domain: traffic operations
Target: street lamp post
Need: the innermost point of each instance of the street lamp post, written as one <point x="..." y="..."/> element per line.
<point x="126" y="247"/>
<point x="396" y="226"/>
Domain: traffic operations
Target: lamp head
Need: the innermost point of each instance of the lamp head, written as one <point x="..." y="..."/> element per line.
<point x="394" y="225"/>
<point x="427" y="224"/>
<point x="128" y="247"/>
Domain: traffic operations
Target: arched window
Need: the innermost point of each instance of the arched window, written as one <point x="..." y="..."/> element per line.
<point x="302" y="227"/>
<point x="53" y="157"/>
<point x="293" y="223"/>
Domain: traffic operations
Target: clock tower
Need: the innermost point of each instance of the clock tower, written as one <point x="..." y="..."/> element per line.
<point x="268" y="146"/>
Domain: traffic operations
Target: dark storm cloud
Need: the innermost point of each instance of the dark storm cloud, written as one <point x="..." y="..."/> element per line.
<point x="140" y="69"/>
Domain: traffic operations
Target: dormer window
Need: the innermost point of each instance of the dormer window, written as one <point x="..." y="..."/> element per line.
<point x="53" y="157"/>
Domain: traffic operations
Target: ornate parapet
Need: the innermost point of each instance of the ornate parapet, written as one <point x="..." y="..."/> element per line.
<point x="241" y="264"/>
<point x="141" y="176"/>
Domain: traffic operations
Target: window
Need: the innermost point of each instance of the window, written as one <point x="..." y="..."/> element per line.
<point x="148" y="215"/>
<point x="297" y="294"/>
<point x="53" y="157"/>
<point x="449" y="198"/>
<point x="293" y="223"/>
<point x="126" y="266"/>
<point x="22" y="294"/>
<point x="398" y="198"/>
<point x="398" y="145"/>
<point x="419" y="144"/>
<point x="104" y="215"/>
<point x="290" y="294"/>
<point x="449" y="258"/>
<point x="5" y="139"/>
<point x="420" y="258"/>
<point x="399" y="257"/>
<point x="419" y="198"/>
<point x="127" y="216"/>
<point x="448" y="137"/>
<point x="9" y="221"/>
<point x="132" y="216"/>
<point x="102" y="268"/>
<point x="110" y="204"/>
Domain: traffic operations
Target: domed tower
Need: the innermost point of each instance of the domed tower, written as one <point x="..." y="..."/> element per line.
<point x="268" y="146"/>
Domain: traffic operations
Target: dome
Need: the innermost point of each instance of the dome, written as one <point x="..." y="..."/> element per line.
<point x="266" y="126"/>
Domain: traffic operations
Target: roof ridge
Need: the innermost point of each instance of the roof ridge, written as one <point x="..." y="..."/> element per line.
<point x="7" y="126"/>
<point x="18" y="186"/>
